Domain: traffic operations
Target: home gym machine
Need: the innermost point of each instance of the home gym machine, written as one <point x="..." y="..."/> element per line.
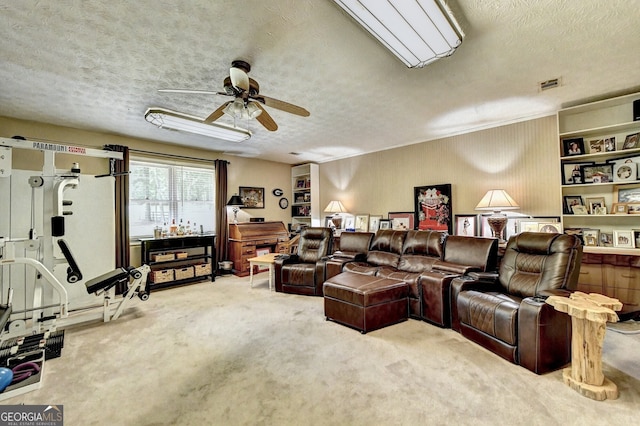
<point x="49" y="307"/>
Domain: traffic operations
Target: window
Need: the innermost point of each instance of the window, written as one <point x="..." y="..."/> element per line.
<point x="161" y="193"/>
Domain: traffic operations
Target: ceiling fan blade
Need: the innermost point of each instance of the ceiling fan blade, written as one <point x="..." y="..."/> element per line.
<point x="283" y="106"/>
<point x="239" y="79"/>
<point x="217" y="113"/>
<point x="265" y="119"/>
<point x="201" y="92"/>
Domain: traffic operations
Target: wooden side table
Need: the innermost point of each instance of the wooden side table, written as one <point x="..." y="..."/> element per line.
<point x="264" y="260"/>
<point x="589" y="315"/>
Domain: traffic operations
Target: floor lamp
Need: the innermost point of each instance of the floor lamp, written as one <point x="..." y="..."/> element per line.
<point x="497" y="200"/>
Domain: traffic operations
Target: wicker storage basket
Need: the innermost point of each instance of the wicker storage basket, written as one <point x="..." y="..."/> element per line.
<point x="161" y="257"/>
<point x="161" y="276"/>
<point x="184" y="273"/>
<point x="203" y="269"/>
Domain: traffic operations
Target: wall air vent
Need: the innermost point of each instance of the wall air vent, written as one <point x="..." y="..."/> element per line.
<point x="549" y="84"/>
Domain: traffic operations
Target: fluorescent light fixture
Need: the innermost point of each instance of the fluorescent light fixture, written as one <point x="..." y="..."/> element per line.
<point x="418" y="32"/>
<point x="172" y="120"/>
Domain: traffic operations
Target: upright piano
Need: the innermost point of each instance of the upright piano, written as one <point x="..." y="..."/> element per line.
<point x="251" y="239"/>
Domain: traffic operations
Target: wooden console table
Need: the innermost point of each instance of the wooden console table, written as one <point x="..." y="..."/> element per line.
<point x="589" y="315"/>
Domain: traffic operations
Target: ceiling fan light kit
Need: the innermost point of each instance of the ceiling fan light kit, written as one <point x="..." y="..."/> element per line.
<point x="246" y="104"/>
<point x="172" y="120"/>
<point x="418" y="32"/>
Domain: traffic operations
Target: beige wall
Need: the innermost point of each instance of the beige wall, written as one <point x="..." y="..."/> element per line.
<point x="521" y="158"/>
<point x="242" y="171"/>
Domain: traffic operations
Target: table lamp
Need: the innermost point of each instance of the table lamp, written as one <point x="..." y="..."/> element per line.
<point x="497" y="200"/>
<point x="334" y="207"/>
<point x="236" y="202"/>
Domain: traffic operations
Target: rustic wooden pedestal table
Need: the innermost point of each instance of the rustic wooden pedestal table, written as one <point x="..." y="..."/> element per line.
<point x="589" y="315"/>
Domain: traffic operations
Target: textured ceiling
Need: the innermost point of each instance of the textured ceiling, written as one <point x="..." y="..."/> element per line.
<point x="97" y="65"/>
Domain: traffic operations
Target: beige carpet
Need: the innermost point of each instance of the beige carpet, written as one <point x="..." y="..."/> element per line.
<point x="224" y="354"/>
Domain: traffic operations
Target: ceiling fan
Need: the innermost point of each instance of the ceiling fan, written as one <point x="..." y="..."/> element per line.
<point x="247" y="98"/>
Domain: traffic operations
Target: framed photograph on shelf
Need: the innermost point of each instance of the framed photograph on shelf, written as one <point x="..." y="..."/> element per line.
<point x="374" y="222"/>
<point x="633" y="208"/>
<point x="596" y="146"/>
<point x="401" y="220"/>
<point x="385" y="224"/>
<point x="623" y="239"/>
<point x="619" y="208"/>
<point x="573" y="146"/>
<point x="362" y="222"/>
<point x="625" y="172"/>
<point x="590" y="237"/>
<point x="626" y="193"/>
<point x="600" y="210"/>
<point x="581" y="210"/>
<point x="572" y="174"/>
<point x="606" y="239"/>
<point x="570" y="201"/>
<point x="252" y="197"/>
<point x="300" y="183"/>
<point x="631" y="141"/>
<point x="433" y="208"/>
<point x="466" y="224"/>
<point x="610" y="144"/>
<point x="528" y="226"/>
<point x="550" y="227"/>
<point x="592" y="202"/>
<point x="349" y="222"/>
<point x="597" y="173"/>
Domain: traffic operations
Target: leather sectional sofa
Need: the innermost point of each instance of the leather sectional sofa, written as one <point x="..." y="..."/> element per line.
<point x="415" y="265"/>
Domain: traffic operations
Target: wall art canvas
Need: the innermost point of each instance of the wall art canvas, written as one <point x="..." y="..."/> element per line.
<point x="433" y="207"/>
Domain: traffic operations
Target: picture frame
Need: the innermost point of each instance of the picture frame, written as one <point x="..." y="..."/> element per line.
<point x="625" y="172"/>
<point x="572" y="173"/>
<point x="596" y="146"/>
<point x="374" y="222"/>
<point x="610" y="144"/>
<point x="349" y="222"/>
<point x="300" y="183"/>
<point x="401" y="220"/>
<point x="633" y="208"/>
<point x="574" y="146"/>
<point x="570" y="201"/>
<point x="590" y="237"/>
<point x="623" y="239"/>
<point x="619" y="208"/>
<point x="602" y="210"/>
<point x="590" y="202"/>
<point x="466" y="225"/>
<point x="550" y="227"/>
<point x="636" y="237"/>
<point x="385" y="224"/>
<point x="579" y="210"/>
<point x="252" y="197"/>
<point x="433" y="209"/>
<point x="606" y="239"/>
<point x="362" y="222"/>
<point x="631" y="141"/>
<point x="597" y="173"/>
<point x="629" y="159"/>
<point x="528" y="226"/>
<point x="626" y="193"/>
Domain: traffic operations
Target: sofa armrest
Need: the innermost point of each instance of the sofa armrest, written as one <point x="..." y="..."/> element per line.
<point x="280" y="261"/>
<point x="465" y="283"/>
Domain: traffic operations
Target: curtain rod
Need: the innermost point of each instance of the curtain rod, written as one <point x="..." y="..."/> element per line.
<point x="182" y="157"/>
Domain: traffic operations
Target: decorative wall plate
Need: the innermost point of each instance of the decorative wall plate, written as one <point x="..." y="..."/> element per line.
<point x="284" y="203"/>
<point x="277" y="192"/>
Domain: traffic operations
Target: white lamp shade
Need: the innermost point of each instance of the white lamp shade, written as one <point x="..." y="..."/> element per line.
<point x="497" y="200"/>
<point x="335" y="207"/>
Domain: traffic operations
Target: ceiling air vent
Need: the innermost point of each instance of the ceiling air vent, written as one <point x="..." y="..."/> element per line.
<point x="294" y="153"/>
<point x="549" y="84"/>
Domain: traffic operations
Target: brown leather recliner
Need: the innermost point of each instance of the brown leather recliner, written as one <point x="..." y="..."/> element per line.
<point x="304" y="272"/>
<point x="508" y="315"/>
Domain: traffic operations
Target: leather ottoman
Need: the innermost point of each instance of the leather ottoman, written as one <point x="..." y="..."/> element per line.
<point x="365" y="302"/>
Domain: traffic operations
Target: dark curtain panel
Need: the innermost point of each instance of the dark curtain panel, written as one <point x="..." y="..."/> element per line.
<point x="222" y="227"/>
<point x="121" y="169"/>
